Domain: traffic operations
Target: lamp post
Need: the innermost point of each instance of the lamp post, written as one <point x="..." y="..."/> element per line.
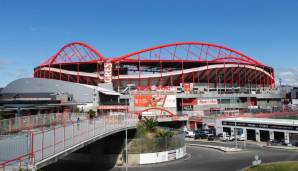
<point x="235" y="126"/>
<point x="219" y="93"/>
<point x="126" y="153"/>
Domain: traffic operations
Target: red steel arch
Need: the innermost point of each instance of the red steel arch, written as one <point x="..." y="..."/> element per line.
<point x="156" y="108"/>
<point x="154" y="66"/>
<point x="192" y="51"/>
<point x="75" y="52"/>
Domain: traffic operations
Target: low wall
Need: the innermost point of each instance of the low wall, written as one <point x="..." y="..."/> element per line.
<point x="158" y="157"/>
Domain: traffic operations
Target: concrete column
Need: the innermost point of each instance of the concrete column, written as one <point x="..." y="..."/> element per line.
<point x="258" y="138"/>
<point x="188" y="125"/>
<point x="244" y="133"/>
<point x="196" y="126"/>
<point x="287" y="137"/>
<point x="233" y="131"/>
<point x="271" y="135"/>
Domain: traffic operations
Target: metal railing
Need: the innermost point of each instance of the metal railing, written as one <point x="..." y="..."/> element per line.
<point x="38" y="145"/>
<point x="13" y="125"/>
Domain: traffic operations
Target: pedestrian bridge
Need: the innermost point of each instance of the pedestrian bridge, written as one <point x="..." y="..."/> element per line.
<point x="39" y="147"/>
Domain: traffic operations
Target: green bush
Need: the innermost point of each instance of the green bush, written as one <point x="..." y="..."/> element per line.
<point x="91" y="113"/>
<point x="161" y="132"/>
<point x="151" y="138"/>
<point x="75" y="109"/>
<point x="150" y="124"/>
<point x="141" y="131"/>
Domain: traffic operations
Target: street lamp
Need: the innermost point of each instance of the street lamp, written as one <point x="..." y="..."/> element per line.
<point x="126" y="153"/>
<point x="219" y="93"/>
<point x="235" y="126"/>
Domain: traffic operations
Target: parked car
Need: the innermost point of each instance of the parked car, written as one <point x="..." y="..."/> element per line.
<point x="200" y="134"/>
<point x="276" y="142"/>
<point x="212" y="131"/>
<point x="295" y="144"/>
<point x="241" y="137"/>
<point x="210" y="137"/>
<point x="189" y="134"/>
<point x="223" y="136"/>
<point x="231" y="137"/>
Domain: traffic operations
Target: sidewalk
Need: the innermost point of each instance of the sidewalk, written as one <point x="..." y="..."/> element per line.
<point x="283" y="147"/>
<point x="260" y="144"/>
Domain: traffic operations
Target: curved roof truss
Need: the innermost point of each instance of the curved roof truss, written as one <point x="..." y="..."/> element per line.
<point x="192" y="51"/>
<point x="75" y="52"/>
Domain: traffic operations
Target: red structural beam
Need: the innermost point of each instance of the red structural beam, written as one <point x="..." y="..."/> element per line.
<point x="127" y="56"/>
<point x="88" y="50"/>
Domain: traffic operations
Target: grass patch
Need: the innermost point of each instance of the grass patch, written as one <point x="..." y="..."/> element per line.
<point x="279" y="166"/>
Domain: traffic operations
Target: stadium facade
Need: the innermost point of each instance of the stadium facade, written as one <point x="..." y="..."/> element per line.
<point x="192" y="78"/>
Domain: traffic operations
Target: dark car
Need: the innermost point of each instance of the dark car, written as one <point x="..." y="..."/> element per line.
<point x="295" y="144"/>
<point x="276" y="142"/>
<point x="212" y="131"/>
<point x="211" y="137"/>
<point x="201" y="134"/>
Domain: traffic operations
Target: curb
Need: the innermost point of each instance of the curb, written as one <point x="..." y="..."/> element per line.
<point x="282" y="148"/>
<point x="223" y="149"/>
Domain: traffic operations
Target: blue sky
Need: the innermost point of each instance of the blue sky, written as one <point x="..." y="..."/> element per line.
<point x="33" y="30"/>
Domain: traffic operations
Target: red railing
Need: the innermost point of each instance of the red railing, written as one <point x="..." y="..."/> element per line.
<point x="48" y="142"/>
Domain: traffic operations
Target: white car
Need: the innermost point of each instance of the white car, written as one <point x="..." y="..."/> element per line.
<point x="224" y="136"/>
<point x="231" y="138"/>
<point x="189" y="134"/>
<point x="241" y="137"/>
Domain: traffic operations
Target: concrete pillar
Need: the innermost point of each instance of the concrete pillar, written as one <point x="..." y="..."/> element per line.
<point x="244" y="133"/>
<point x="271" y="135"/>
<point x="188" y="125"/>
<point x="287" y="137"/>
<point x="232" y="130"/>
<point x="196" y="125"/>
<point x="258" y="138"/>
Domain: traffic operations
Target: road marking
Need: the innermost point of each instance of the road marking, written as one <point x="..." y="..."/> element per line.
<point x="188" y="157"/>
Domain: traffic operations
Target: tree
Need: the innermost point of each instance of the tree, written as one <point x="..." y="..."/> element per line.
<point x="75" y="109"/>
<point x="150" y="124"/>
<point x="91" y="113"/>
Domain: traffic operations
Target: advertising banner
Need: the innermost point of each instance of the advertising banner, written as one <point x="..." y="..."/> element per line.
<point x="117" y="107"/>
<point x="153" y="88"/>
<point x="155" y="101"/>
<point x="186" y="88"/>
<point x="108" y="72"/>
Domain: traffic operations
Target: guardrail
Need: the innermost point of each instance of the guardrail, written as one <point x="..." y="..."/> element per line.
<point x="31" y="149"/>
<point x="13" y="125"/>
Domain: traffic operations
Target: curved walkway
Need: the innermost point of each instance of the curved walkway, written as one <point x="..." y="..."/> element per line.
<point x="40" y="147"/>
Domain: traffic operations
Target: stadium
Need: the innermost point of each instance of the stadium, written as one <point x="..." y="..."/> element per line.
<point x="190" y="79"/>
<point x="201" y="64"/>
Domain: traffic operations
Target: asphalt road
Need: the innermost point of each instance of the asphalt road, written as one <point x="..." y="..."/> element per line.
<point x="199" y="159"/>
<point x="206" y="159"/>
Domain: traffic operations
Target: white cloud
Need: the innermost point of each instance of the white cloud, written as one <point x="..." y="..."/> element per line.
<point x="3" y="62"/>
<point x="288" y="76"/>
<point x="21" y="73"/>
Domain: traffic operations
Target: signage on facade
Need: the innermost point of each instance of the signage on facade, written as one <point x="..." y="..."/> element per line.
<point x="187" y="87"/>
<point x="155" y="100"/>
<point x="258" y="125"/>
<point x="153" y="88"/>
<point x="115" y="107"/>
<point x="207" y="101"/>
<point x="108" y="72"/>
